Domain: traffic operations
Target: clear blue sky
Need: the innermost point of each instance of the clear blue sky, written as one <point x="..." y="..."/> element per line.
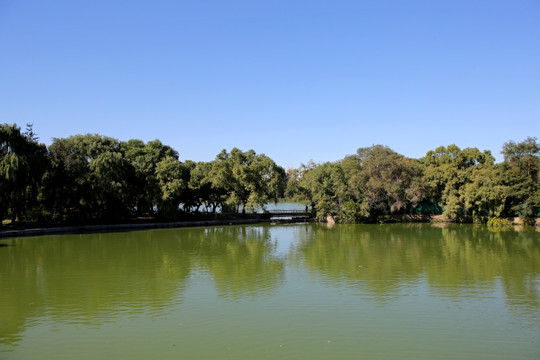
<point x="296" y="80"/>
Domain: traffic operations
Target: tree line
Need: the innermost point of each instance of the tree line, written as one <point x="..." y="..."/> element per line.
<point x="461" y="184"/>
<point x="96" y="178"/>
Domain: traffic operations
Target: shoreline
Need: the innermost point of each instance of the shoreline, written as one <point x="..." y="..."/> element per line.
<point x="121" y="227"/>
<point x="82" y="229"/>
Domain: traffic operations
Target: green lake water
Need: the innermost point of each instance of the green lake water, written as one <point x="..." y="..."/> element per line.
<point x="299" y="291"/>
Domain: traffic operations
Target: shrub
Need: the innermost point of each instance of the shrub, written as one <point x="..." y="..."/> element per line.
<point x="498" y="222"/>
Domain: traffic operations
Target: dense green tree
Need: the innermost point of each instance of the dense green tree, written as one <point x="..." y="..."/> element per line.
<point x="145" y="189"/>
<point x="110" y="173"/>
<point x="376" y="181"/>
<point x="23" y="162"/>
<point x="524" y="155"/>
<point x="390" y="180"/>
<point x="325" y="186"/>
<point x="485" y="193"/>
<point x="250" y="180"/>
<point x="171" y="176"/>
<point x="204" y="186"/>
<point x="447" y="171"/>
<point x="522" y="171"/>
<point x="88" y="178"/>
<point x="98" y="178"/>
<point x="94" y="176"/>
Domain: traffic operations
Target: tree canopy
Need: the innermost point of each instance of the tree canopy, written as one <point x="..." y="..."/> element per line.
<point x="96" y="178"/>
<point x="460" y="184"/>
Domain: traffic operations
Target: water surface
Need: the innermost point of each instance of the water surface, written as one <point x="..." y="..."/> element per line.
<point x="273" y="291"/>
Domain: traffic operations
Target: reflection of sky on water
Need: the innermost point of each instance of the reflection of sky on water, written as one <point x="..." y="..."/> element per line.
<point x="282" y="237"/>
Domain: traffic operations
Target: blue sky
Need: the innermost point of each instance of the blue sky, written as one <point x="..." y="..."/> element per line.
<point x="296" y="80"/>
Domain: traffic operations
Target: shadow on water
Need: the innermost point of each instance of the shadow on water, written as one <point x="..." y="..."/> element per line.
<point x="91" y="278"/>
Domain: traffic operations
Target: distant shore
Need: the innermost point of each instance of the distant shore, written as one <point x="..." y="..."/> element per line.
<point x="121" y="227"/>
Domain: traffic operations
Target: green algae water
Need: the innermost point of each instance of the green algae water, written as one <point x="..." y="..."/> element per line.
<point x="301" y="291"/>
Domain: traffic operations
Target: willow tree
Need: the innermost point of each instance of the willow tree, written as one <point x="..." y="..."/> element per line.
<point x="23" y="162"/>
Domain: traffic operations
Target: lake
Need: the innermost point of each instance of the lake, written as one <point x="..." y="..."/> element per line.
<point x="296" y="291"/>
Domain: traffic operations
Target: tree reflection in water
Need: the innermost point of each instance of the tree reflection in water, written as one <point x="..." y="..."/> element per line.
<point x="92" y="278"/>
<point x="95" y="278"/>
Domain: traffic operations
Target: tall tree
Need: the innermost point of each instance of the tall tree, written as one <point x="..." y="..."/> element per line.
<point x="326" y="187"/>
<point x="171" y="176"/>
<point x="205" y="186"/>
<point x="447" y="171"/>
<point x="249" y="179"/>
<point x="145" y="189"/>
<point x="88" y="178"/>
<point x="522" y="169"/>
<point x="486" y="191"/>
<point x="23" y="162"/>
<point x="389" y="180"/>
